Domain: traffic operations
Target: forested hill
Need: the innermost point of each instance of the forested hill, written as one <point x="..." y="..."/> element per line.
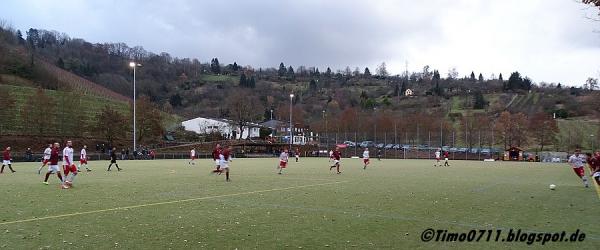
<point x="207" y="87"/>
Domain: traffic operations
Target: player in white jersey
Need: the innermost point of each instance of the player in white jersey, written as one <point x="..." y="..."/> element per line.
<point x="83" y="159"/>
<point x="577" y="161"/>
<point x="283" y="160"/>
<point x="330" y="155"/>
<point x="46" y="157"/>
<point x="366" y="159"/>
<point x="192" y="157"/>
<point x="438" y="156"/>
<point x="68" y="165"/>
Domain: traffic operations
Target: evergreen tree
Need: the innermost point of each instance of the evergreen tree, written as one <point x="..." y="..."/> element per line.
<point x="252" y="82"/>
<point x="480" y="77"/>
<point x="472" y="78"/>
<point x="281" y="70"/>
<point x="403" y="88"/>
<point x="243" y="81"/>
<point x="290" y="72"/>
<point x="328" y="72"/>
<point x="215" y="66"/>
<point x="480" y="102"/>
<point x="500" y="78"/>
<point x="235" y="67"/>
<point x="367" y="72"/>
<point x="60" y="63"/>
<point x="312" y="85"/>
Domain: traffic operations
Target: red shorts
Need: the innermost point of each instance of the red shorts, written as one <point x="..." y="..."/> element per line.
<point x="579" y="171"/>
<point x="192" y="157"/>
<point x="45" y="161"/>
<point x="366" y="161"/>
<point x="282" y="164"/>
<point x="71" y="168"/>
<point x="83" y="161"/>
<point x="437" y="158"/>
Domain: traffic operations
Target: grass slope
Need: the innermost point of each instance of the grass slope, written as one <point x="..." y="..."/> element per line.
<point x="386" y="206"/>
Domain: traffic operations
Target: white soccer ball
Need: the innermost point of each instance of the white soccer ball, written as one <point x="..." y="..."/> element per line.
<point x="552" y="186"/>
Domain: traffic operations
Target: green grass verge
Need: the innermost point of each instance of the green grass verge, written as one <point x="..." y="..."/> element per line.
<point x="169" y="204"/>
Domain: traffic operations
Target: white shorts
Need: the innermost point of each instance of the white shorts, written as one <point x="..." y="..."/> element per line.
<point x="596" y="175"/>
<point x="224" y="165"/>
<point x="335" y="162"/>
<point x="53" y="168"/>
<point x="217" y="163"/>
<point x="5" y="162"/>
<point x="446" y="159"/>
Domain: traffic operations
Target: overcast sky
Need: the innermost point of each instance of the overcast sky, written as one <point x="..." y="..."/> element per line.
<point x="547" y="40"/>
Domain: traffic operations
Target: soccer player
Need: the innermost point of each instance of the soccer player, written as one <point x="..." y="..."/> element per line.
<point x="330" y="155"/>
<point x="6" y="160"/>
<point x="53" y="166"/>
<point x="446" y="164"/>
<point x="595" y="163"/>
<point x="366" y="160"/>
<point x="113" y="160"/>
<point x="83" y="159"/>
<point x="297" y="154"/>
<point x="438" y="156"/>
<point x="283" y="160"/>
<point x="379" y="154"/>
<point x="336" y="160"/>
<point x="216" y="154"/>
<point x="192" y="157"/>
<point x="225" y="158"/>
<point x="576" y="160"/>
<point x="46" y="157"/>
<point x="68" y="165"/>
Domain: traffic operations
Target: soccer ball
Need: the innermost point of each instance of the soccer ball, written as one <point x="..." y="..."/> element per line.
<point x="552" y="186"/>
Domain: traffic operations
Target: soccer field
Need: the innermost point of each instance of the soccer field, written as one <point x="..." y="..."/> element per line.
<point x="165" y="204"/>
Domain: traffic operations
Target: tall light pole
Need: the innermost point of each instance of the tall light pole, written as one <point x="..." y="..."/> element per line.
<point x="291" y="128"/>
<point x="134" y="65"/>
<point x="326" y="140"/>
<point x="271" y="114"/>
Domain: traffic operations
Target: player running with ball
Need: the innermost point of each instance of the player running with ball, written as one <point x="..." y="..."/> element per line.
<point x="283" y="160"/>
<point x="576" y="161"/>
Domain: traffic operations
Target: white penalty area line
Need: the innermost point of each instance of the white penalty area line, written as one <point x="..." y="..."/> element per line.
<point x="166" y="202"/>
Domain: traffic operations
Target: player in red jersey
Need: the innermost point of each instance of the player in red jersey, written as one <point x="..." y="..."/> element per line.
<point x="225" y="158"/>
<point x="45" y="158"/>
<point x="68" y="165"/>
<point x="53" y="165"/>
<point x="283" y="160"/>
<point x="446" y="164"/>
<point x="595" y="163"/>
<point x="297" y="154"/>
<point x="216" y="154"/>
<point x="336" y="160"/>
<point x="6" y="160"/>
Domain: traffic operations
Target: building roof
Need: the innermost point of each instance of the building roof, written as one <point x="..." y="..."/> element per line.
<point x="273" y="124"/>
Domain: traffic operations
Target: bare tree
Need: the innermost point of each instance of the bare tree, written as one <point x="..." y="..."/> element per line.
<point x="244" y="108"/>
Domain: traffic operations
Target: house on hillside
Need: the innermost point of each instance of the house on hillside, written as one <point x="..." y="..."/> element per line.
<point x="227" y="128"/>
<point x="408" y="92"/>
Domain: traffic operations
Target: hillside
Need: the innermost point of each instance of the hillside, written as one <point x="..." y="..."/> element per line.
<point x="190" y="88"/>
